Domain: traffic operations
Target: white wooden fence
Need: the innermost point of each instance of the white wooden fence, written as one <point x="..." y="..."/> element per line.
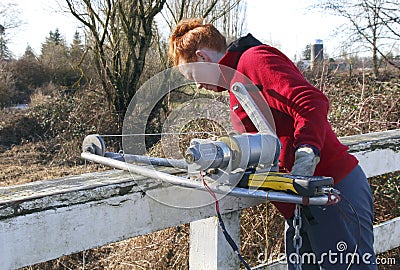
<point x="44" y="220"/>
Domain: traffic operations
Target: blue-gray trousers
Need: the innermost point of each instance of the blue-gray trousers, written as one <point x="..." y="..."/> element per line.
<point x="337" y="236"/>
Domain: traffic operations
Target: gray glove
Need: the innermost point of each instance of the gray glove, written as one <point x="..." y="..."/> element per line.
<point x="305" y="161"/>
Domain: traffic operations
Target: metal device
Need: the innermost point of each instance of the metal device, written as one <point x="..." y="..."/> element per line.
<point x="275" y="187"/>
<point x="250" y="161"/>
<point x="227" y="159"/>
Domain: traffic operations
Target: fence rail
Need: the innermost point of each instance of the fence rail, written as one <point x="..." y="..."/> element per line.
<point x="44" y="220"/>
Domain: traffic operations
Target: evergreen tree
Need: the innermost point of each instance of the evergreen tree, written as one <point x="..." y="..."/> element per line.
<point x="4" y="52"/>
<point x="55" y="37"/>
<point x="7" y="85"/>
<point x="29" y="72"/>
<point x="77" y="48"/>
<point x="29" y="53"/>
<point x="55" y="60"/>
<point x="307" y="52"/>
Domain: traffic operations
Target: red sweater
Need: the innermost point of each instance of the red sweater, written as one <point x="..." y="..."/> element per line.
<point x="299" y="109"/>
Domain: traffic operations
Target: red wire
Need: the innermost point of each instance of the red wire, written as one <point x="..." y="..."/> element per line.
<point x="212" y="193"/>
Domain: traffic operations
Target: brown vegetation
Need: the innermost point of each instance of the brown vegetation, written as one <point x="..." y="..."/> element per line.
<point x="43" y="142"/>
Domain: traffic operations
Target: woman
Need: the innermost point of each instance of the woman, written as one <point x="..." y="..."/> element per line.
<point x="331" y="235"/>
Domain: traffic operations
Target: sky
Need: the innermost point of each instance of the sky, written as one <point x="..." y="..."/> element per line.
<point x="290" y="25"/>
<point x="286" y="24"/>
<point x="38" y="18"/>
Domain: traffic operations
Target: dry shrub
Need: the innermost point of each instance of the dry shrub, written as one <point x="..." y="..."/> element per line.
<point x="262" y="228"/>
<point x="200" y="128"/>
<point x="64" y="121"/>
<point x="361" y="103"/>
<point x="15" y="127"/>
<point x="166" y="249"/>
<point x="45" y="140"/>
<point x="43" y="95"/>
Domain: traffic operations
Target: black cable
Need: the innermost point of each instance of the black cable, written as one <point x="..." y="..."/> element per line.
<point x="231" y="242"/>
<point x="221" y="224"/>
<point x="358" y="225"/>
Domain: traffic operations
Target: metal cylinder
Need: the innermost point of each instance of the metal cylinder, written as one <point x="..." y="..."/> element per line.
<point x="207" y="154"/>
<point x="256" y="149"/>
<point x="157" y="161"/>
<point x="317" y="52"/>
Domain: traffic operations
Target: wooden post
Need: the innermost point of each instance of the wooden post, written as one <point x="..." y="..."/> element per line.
<point x="208" y="247"/>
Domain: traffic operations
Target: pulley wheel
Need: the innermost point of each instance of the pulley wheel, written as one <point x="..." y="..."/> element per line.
<point x="94" y="144"/>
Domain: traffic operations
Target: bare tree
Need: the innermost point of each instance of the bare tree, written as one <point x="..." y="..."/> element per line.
<point x="227" y="15"/>
<point x="120" y="34"/>
<point x="373" y="23"/>
<point x="231" y="18"/>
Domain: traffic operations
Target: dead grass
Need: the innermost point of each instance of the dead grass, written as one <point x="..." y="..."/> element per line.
<point x="30" y="162"/>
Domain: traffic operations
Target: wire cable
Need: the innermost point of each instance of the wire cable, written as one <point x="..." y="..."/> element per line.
<point x="157" y="134"/>
<point x="358" y="226"/>
<point x="221" y="223"/>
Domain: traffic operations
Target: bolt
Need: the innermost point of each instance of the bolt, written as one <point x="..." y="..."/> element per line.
<point x="212" y="171"/>
<point x="90" y="149"/>
<point x="189" y="158"/>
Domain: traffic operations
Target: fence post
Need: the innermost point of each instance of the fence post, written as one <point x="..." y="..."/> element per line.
<point x="208" y="247"/>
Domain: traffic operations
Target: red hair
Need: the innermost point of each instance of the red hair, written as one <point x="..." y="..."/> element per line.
<point x="190" y="35"/>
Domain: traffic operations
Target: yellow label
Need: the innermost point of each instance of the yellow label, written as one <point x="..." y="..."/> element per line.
<point x="274" y="181"/>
